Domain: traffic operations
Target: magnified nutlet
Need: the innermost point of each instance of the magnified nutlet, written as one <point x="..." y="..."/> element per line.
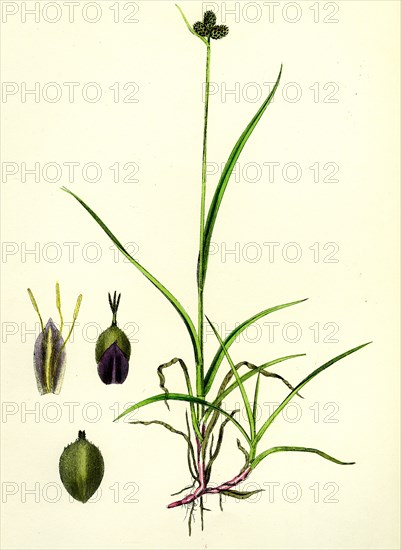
<point x="81" y="468"/>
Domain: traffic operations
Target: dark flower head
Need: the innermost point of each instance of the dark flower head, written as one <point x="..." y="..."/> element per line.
<point x="209" y="19"/>
<point x="200" y="29"/>
<point x="208" y="27"/>
<point x="219" y="31"/>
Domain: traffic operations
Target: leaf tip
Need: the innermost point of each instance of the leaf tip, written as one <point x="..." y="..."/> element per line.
<point x="364" y="345"/>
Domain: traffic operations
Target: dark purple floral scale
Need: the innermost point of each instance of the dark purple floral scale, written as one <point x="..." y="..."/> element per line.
<point x="113" y="366"/>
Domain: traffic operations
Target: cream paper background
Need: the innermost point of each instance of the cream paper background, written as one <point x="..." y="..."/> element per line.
<point x="161" y="133"/>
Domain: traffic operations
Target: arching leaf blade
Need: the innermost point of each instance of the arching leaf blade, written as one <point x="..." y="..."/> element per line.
<point x="263" y="455"/>
<point x="218" y="358"/>
<point x="186" y="398"/>
<point x="305" y="381"/>
<point x="225" y="177"/>
<point x="238" y="380"/>
<point x="247" y="375"/>
<point x="170" y="297"/>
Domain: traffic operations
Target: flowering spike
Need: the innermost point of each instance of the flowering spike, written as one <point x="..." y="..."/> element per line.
<point x="219" y="31"/>
<point x="200" y="29"/>
<point x="209" y="19"/>
<point x="208" y="27"/>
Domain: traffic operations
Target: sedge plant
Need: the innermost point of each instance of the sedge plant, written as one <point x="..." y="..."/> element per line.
<point x="206" y="414"/>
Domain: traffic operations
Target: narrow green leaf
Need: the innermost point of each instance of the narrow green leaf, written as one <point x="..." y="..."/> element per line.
<point x="255" y="398"/>
<point x="245" y="377"/>
<point x="226" y="174"/>
<point x="263" y="455"/>
<point x="224" y="391"/>
<point x="301" y="385"/>
<point x="175" y="303"/>
<point x="218" y="358"/>
<point x="238" y="379"/>
<point x="186" y="398"/>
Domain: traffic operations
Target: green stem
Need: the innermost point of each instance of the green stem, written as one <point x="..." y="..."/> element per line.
<point x="200" y="366"/>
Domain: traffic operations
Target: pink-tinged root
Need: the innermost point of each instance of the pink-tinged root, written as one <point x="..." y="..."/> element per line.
<point x="201" y="490"/>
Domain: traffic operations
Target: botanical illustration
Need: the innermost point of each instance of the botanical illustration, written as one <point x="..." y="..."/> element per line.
<point x="49" y="356"/>
<point x="81" y="468"/>
<point x="208" y="385"/>
<point x="113" y="350"/>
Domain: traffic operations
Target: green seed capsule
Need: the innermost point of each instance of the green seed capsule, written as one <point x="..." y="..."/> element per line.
<point x="81" y="468"/>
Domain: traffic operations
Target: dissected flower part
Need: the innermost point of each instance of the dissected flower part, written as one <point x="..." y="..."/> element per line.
<point x="81" y="468"/>
<point x="208" y="28"/>
<point x="49" y="359"/>
<point x="49" y="356"/>
<point x="113" y="350"/>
